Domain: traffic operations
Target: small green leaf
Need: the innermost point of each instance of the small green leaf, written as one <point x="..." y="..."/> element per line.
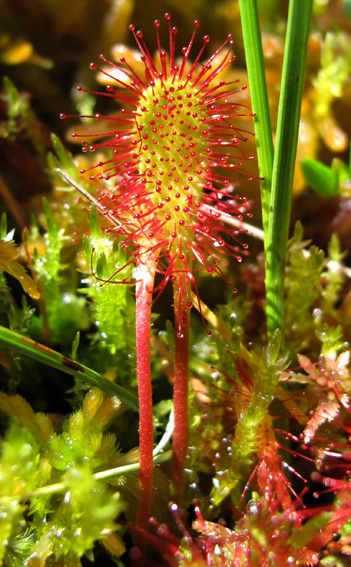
<point x="273" y="347"/>
<point x="94" y="225"/>
<point x="331" y="338"/>
<point x="3" y="226"/>
<point x="49" y="216"/>
<point x="75" y="346"/>
<point x="322" y="179"/>
<point x="298" y="232"/>
<point x="304" y="535"/>
<point x="101" y="265"/>
<point x="341" y="169"/>
<point x="65" y="158"/>
<point x="87" y="248"/>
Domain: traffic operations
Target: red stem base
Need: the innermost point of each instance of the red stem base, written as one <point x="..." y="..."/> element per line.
<point x="180" y="388"/>
<point x="144" y="286"/>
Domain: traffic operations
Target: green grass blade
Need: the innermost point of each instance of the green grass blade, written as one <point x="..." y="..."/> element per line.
<point x="23" y="345"/>
<point x="284" y="160"/>
<point x="259" y="100"/>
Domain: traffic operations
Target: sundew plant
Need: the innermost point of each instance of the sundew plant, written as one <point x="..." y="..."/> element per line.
<point x="175" y="275"/>
<point x="162" y="199"/>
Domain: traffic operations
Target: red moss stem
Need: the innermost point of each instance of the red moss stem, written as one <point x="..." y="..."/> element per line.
<point x="145" y="276"/>
<point x="180" y="388"/>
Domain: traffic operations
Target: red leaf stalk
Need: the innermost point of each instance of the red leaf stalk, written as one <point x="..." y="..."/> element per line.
<point x="180" y="387"/>
<point x="146" y="274"/>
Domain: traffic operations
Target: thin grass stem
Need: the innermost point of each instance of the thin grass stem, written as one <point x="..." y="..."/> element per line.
<point x="284" y="160"/>
<point x="259" y="100"/>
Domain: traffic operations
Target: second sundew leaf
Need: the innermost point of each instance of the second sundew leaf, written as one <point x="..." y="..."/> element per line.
<point x="254" y="428"/>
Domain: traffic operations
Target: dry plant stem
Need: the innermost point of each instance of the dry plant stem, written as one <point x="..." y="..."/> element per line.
<point x="145" y="275"/>
<point x="180" y="388"/>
